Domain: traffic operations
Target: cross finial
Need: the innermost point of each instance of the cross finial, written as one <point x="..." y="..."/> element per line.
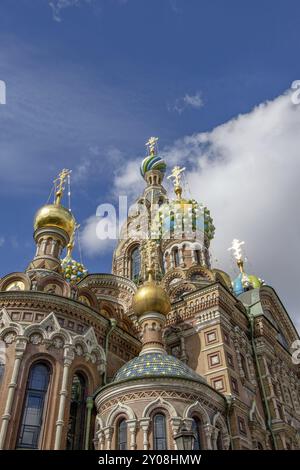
<point x="152" y="145"/>
<point x="176" y="176"/>
<point x="237" y="252"/>
<point x="59" y="184"/>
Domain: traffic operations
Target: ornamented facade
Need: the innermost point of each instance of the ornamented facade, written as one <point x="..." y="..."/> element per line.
<point x="127" y="360"/>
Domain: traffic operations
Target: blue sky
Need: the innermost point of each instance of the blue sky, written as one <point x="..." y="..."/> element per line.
<point x="89" y="81"/>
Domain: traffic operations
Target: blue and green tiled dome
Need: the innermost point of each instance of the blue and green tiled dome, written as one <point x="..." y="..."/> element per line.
<point x="244" y="282"/>
<point x="156" y="365"/>
<point x="153" y="162"/>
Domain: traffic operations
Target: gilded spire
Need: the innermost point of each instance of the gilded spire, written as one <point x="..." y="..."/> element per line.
<point x="176" y="176"/>
<point x="59" y="183"/>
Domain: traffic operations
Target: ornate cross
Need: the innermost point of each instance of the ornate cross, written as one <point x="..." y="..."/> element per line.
<point x="236" y="248"/>
<point x="59" y="184"/>
<point x="176" y="175"/>
<point x="152" y="145"/>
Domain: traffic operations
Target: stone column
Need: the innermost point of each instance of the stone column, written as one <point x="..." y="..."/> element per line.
<point x="19" y="351"/>
<point x="208" y="430"/>
<point x="144" y="423"/>
<point x="89" y="407"/>
<point x="68" y="359"/>
<point x="131" y="423"/>
<point x="108" y="432"/>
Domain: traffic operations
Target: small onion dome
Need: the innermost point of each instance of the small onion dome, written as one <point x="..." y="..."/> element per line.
<point x="244" y="282"/>
<point x="72" y="270"/>
<point x="151" y="298"/>
<point x="152" y="162"/>
<point x="55" y="215"/>
<point x="183" y="215"/>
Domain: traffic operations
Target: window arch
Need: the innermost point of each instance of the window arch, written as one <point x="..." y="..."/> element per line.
<point x="135" y="263"/>
<point x="76" y="426"/>
<point x="122" y="434"/>
<point x="196" y="430"/>
<point x="159" y="432"/>
<point x="34" y="406"/>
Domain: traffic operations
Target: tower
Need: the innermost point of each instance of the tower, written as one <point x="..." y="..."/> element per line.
<point x="54" y="226"/>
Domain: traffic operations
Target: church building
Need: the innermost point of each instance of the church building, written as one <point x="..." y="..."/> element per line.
<point x="166" y="351"/>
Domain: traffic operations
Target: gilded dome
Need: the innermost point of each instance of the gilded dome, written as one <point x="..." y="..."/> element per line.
<point x="55" y="215"/>
<point x="151" y="298"/>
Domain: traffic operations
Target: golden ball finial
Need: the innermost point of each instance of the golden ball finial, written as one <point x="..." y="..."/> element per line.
<point x="151" y="298"/>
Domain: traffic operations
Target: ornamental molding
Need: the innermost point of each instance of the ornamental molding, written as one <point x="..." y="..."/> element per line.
<point x="166" y="389"/>
<point x="52" y="335"/>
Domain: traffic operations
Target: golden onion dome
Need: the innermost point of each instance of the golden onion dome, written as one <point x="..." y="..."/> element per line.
<point x="55" y="215"/>
<point x="151" y="298"/>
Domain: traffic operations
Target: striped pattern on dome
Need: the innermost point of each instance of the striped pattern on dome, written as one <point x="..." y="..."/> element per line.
<point x="153" y="162"/>
<point x="156" y="364"/>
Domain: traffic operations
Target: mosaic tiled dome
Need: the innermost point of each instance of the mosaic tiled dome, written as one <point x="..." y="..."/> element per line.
<point x="153" y="162"/>
<point x="72" y="270"/>
<point x="183" y="215"/>
<point x="244" y="282"/>
<point x="158" y="365"/>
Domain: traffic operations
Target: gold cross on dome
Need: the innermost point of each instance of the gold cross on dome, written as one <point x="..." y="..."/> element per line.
<point x="152" y="145"/>
<point x="59" y="184"/>
<point x="236" y="248"/>
<point x="176" y="175"/>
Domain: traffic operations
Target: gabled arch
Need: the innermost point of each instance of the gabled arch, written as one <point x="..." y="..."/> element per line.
<point x="159" y="403"/>
<point x="199" y="410"/>
<point x="118" y="410"/>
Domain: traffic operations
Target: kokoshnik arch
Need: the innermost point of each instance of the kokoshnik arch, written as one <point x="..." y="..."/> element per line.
<point x="126" y="360"/>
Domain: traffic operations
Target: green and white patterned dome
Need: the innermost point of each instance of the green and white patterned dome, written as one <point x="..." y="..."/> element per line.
<point x="156" y="365"/>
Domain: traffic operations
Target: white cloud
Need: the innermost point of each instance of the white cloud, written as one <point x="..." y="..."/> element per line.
<point x="58" y="5"/>
<point x="247" y="172"/>
<point x="188" y="101"/>
<point x="90" y="242"/>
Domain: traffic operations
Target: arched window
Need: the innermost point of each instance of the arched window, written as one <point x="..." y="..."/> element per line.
<point x="135" y="263"/>
<point x="34" y="405"/>
<point x="196" y="431"/>
<point x="176" y="257"/>
<point x="159" y="432"/>
<point x="122" y="435"/>
<point x="76" y="426"/>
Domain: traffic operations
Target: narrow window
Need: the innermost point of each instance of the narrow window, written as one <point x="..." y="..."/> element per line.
<point x="135" y="263"/>
<point x="159" y="432"/>
<point x="122" y="435"/>
<point x="76" y="427"/>
<point x="196" y="431"/>
<point x="176" y="257"/>
<point x="34" y="404"/>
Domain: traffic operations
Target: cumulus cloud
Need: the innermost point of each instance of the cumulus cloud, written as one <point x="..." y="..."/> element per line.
<point x="187" y="101"/>
<point x="91" y="243"/>
<point x="247" y="172"/>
